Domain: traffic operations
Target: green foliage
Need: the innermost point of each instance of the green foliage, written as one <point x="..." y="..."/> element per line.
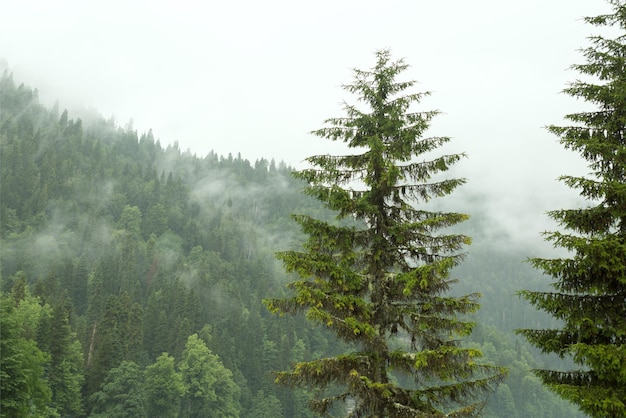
<point x="590" y="283"/>
<point x="199" y="387"/>
<point x="129" y="248"/>
<point x="133" y="248"/>
<point x="117" y="338"/>
<point x="164" y="388"/>
<point x="65" y="369"/>
<point x="210" y="390"/>
<point x="25" y="391"/>
<point x="265" y="406"/>
<point x="522" y="394"/>
<point x="121" y="394"/>
<point x="384" y="280"/>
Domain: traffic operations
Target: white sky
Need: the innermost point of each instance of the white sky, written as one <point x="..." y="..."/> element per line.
<point x="256" y="76"/>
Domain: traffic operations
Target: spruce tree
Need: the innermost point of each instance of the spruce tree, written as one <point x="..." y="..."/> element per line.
<point x="378" y="276"/>
<point x="590" y="281"/>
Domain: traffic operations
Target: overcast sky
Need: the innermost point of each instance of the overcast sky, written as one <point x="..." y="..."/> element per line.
<point x="254" y="77"/>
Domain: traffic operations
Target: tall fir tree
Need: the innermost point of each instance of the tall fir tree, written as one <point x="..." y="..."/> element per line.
<point x="379" y="276"/>
<point x="590" y="282"/>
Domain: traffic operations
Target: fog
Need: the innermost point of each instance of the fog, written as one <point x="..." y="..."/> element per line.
<point x="256" y="77"/>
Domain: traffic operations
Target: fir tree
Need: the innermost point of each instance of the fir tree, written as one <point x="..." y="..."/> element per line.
<point x="590" y="282"/>
<point x="379" y="276"/>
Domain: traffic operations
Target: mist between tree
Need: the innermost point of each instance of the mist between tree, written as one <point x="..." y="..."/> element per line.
<point x="119" y="230"/>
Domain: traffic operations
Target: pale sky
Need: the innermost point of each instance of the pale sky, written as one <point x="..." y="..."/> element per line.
<point x="255" y="77"/>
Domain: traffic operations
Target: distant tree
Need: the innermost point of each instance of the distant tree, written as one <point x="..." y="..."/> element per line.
<point x="265" y="406"/>
<point x="131" y="251"/>
<point x="115" y="338"/>
<point x="503" y="398"/>
<point x="155" y="221"/>
<point x="65" y="369"/>
<point x="210" y="391"/>
<point x="24" y="390"/>
<point x="63" y="119"/>
<point x="163" y="387"/>
<point x="380" y="284"/>
<point x="590" y="282"/>
<point x="121" y="394"/>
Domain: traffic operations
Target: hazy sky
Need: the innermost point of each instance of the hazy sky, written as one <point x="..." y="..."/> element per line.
<point x="256" y="76"/>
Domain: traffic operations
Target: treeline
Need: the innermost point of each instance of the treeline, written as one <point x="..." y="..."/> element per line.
<point x="127" y="249"/>
<point x="133" y="274"/>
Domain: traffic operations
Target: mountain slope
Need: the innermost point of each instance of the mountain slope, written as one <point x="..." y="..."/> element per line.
<point x="115" y="249"/>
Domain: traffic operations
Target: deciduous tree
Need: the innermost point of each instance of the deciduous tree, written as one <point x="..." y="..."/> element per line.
<point x="23" y="387"/>
<point x="121" y="394"/>
<point x="210" y="390"/>
<point x="164" y="388"/>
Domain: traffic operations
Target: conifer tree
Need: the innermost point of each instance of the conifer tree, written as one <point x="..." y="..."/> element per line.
<point x="379" y="276"/>
<point x="590" y="282"/>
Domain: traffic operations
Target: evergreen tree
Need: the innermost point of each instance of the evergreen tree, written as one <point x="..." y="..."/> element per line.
<point x="265" y="406"/>
<point x="380" y="283"/>
<point x="590" y="283"/>
<point x="65" y="369"/>
<point x="118" y="337"/>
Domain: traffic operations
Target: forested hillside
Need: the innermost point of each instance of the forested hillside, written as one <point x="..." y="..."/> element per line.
<point x="132" y="277"/>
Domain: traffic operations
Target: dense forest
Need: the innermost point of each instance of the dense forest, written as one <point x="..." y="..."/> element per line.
<point x="133" y="275"/>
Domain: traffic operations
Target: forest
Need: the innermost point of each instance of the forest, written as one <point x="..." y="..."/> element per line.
<point x="133" y="275"/>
